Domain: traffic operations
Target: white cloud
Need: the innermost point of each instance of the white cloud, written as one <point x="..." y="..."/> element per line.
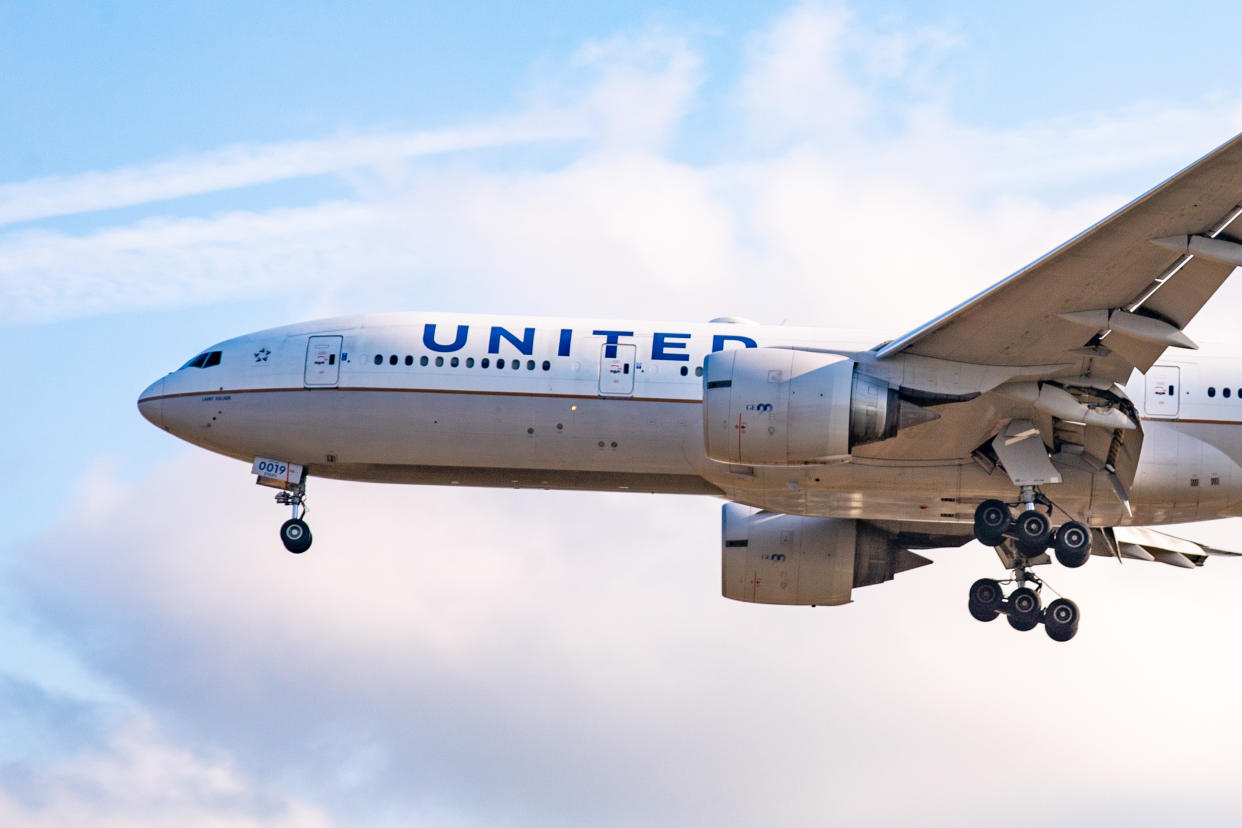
<point x="542" y="665"/>
<point x="637" y="88"/>
<point x="814" y="74"/>
<point x="796" y="230"/>
<point x="248" y="165"/>
<point x="817" y="226"/>
<point x="797" y="77"/>
<point x="140" y="779"/>
<point x="622" y="91"/>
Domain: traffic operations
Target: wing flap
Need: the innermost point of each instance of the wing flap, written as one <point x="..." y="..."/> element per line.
<point x="1145" y="544"/>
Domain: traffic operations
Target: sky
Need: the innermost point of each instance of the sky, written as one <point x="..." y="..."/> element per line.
<point x="172" y="175"/>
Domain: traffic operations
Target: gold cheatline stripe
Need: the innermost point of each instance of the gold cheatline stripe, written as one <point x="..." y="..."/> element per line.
<point x="223" y="392"/>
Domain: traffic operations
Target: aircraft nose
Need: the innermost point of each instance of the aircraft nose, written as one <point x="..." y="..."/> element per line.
<point x="151" y="403"/>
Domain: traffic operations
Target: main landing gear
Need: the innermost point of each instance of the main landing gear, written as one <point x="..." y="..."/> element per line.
<point x="1023" y="607"/>
<point x="1020" y="542"/>
<point x="294" y="533"/>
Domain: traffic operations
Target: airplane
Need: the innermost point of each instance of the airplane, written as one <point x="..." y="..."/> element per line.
<point x="1060" y="413"/>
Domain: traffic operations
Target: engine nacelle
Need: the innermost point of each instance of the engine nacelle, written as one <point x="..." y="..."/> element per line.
<point x="779" y="406"/>
<point x="773" y="558"/>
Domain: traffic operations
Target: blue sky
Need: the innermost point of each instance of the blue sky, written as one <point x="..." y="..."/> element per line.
<point x="175" y="174"/>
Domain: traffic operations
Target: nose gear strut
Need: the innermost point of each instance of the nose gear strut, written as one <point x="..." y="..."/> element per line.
<point x="294" y="533"/>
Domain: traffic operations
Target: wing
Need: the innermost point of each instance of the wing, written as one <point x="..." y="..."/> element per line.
<point x="1145" y="544"/>
<point x="1114" y="296"/>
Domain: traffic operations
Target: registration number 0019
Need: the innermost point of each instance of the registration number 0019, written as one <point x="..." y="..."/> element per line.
<point x="277" y="470"/>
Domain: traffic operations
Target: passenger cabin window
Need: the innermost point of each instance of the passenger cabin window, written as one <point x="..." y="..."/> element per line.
<point x="422" y="360"/>
<point x="1211" y="390"/>
<point x="379" y="360"/>
<point x="470" y="362"/>
<point x="485" y="363"/>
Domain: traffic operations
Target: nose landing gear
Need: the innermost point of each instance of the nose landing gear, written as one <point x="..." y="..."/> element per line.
<point x="1020" y="542"/>
<point x="290" y="479"/>
<point x="294" y="533"/>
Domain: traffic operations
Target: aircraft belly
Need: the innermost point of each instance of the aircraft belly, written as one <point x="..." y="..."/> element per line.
<point x="1188" y="471"/>
<point x="400" y="428"/>
<point x="945" y="492"/>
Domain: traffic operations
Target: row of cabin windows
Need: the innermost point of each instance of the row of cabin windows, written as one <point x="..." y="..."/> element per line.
<point x="485" y="362"/>
<point x="1224" y="392"/>
<point x="454" y="362"/>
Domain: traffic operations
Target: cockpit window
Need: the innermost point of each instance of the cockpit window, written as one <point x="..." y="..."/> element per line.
<point x="204" y="360"/>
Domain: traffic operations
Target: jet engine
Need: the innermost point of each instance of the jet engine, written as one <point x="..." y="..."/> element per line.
<point x="774" y="558"/>
<point x="780" y="406"/>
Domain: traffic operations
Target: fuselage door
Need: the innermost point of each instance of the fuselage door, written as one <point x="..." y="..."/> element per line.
<point x="323" y="361"/>
<point x="1163" y="389"/>
<point x="616" y="370"/>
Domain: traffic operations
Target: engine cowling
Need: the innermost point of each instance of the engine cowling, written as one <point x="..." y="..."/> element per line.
<point x="779" y="406"/>
<point x="774" y="558"/>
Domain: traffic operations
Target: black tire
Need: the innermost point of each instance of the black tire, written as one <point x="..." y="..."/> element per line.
<point x="1031" y="552"/>
<point x="1073" y="544"/>
<point x="1032" y="529"/>
<point x="295" y="535"/>
<point x="1023" y="624"/>
<point x="987" y="593"/>
<point x="992" y="519"/>
<point x="982" y="613"/>
<point x="1023" y="608"/>
<point x="1061" y="619"/>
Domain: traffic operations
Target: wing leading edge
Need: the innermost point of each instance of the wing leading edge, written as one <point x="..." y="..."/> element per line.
<point x="1116" y="295"/>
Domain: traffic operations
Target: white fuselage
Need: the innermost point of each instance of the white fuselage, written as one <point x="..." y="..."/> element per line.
<point x="605" y="405"/>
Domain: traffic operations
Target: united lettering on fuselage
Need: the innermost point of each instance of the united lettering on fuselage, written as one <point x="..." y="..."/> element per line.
<point x="667" y="346"/>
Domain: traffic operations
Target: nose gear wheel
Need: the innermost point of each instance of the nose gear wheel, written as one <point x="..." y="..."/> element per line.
<point x="295" y="534"/>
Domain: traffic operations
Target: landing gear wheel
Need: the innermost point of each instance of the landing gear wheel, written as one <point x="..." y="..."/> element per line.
<point x="1022" y="625"/>
<point x="1073" y="544"/>
<point x="992" y="519"/>
<point x="295" y="535"/>
<point x="1033" y="529"/>
<point x="982" y="613"/>
<point x="1061" y="619"/>
<point x="986" y="599"/>
<point x="1024" y="609"/>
